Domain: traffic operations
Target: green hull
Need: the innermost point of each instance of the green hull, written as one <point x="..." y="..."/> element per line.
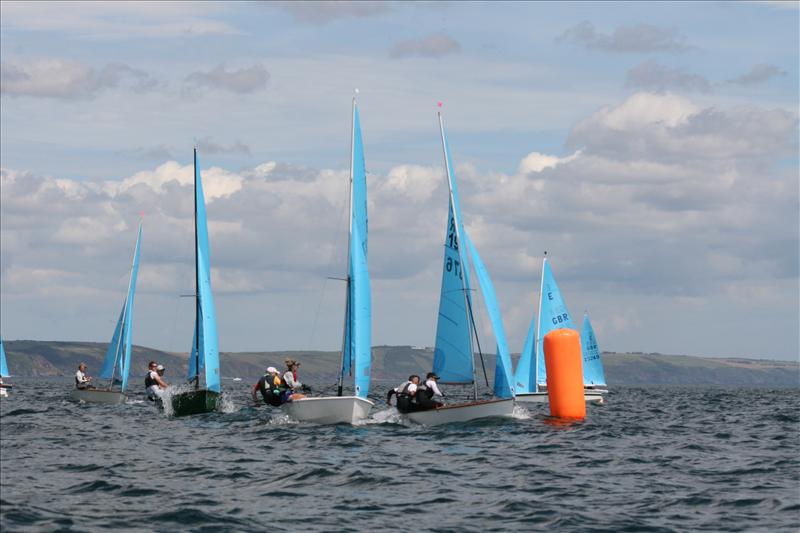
<point x="195" y="402"/>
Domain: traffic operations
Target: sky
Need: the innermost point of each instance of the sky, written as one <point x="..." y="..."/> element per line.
<point x="650" y="148"/>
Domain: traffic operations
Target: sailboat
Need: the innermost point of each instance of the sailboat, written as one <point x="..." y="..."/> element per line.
<point x="594" y="377"/>
<point x="531" y="374"/>
<point x="356" y="337"/>
<point x="118" y="355"/>
<point x="204" y="357"/>
<point x="4" y="387"/>
<point x="454" y="354"/>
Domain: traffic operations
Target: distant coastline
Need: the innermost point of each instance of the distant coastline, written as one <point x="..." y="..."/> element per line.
<point x="53" y="358"/>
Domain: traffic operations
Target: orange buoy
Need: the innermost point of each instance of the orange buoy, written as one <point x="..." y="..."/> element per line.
<point x="562" y="357"/>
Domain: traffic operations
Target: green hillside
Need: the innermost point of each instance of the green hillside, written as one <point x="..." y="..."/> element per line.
<point x="51" y="358"/>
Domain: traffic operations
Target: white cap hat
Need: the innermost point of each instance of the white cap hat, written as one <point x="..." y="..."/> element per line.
<point x="160" y="367"/>
<point x="272" y="370"/>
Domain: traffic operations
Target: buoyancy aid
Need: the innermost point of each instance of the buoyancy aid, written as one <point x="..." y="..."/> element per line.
<point x="405" y="401"/>
<point x="271" y="389"/>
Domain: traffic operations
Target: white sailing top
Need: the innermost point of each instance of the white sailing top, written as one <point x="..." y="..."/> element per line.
<point x="288" y="377"/>
<point x="80" y="378"/>
<point x="412" y="388"/>
<point x="154" y="390"/>
<point x="431" y="384"/>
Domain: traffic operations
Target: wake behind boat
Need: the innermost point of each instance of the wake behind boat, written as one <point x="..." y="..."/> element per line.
<point x="356" y="337"/>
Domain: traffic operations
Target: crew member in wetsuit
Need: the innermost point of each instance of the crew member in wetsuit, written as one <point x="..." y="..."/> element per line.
<point x="153" y="382"/>
<point x="270" y="387"/>
<point x="406" y="395"/>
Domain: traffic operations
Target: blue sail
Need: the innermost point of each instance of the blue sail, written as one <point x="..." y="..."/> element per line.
<point x="553" y="314"/>
<point x="503" y="384"/>
<point x="125" y="360"/>
<point x="359" y="222"/>
<point x="119" y="349"/>
<point x="206" y="325"/>
<point x="452" y="356"/>
<point x="3" y="363"/>
<point x="360" y="316"/>
<point x="113" y="348"/>
<point x="525" y="375"/>
<point x="593" y="373"/>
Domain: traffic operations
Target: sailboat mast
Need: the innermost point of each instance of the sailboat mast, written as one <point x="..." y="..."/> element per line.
<point x="196" y="285"/>
<point x="125" y="309"/>
<point x="347" y="310"/>
<point x="538" y="329"/>
<point x="464" y="265"/>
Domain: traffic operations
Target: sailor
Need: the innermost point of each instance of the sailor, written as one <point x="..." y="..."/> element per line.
<point x="427" y="391"/>
<point x="291" y="383"/>
<point x="81" y="379"/>
<point x="270" y="387"/>
<point x="153" y="381"/>
<point x="406" y="394"/>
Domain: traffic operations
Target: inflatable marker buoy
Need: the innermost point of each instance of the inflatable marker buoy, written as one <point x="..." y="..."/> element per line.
<point x="562" y="357"/>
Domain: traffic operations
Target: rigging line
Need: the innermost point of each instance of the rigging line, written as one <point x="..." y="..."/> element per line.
<point x="477" y="340"/>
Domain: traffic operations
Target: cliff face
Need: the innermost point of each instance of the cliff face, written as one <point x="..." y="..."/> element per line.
<point x="51" y="358"/>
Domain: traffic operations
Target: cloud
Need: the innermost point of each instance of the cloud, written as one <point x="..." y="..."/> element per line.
<point x="758" y="74"/>
<point x="652" y="76"/>
<point x="669" y="128"/>
<point x="324" y="12"/>
<point x="207" y="146"/>
<point x="435" y="45"/>
<point x="118" y="20"/>
<point x="241" y="81"/>
<point x="65" y="79"/>
<point x="626" y="39"/>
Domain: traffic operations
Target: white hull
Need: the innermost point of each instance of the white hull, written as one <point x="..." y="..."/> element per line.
<point x="463" y="412"/>
<point x="590" y="395"/>
<point x="97" y="396"/>
<point x="329" y="410"/>
<point x="3" y="392"/>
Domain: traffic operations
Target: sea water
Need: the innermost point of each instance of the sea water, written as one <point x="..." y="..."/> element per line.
<point x="651" y="459"/>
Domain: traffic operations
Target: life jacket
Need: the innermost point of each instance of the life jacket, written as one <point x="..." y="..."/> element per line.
<point x="405" y="402"/>
<point x="270" y="391"/>
<point x="79" y="384"/>
<point x="148" y="380"/>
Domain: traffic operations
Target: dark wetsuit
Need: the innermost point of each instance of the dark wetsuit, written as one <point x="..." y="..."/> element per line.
<point x="270" y="392"/>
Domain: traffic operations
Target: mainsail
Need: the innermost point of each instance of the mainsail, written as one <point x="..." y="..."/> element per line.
<point x="357" y="342"/>
<point x="453" y="355"/>
<point x="503" y="387"/>
<point x="553" y="314"/>
<point x="204" y="359"/>
<point x="3" y="363"/>
<point x="593" y="373"/>
<point x="118" y="355"/>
